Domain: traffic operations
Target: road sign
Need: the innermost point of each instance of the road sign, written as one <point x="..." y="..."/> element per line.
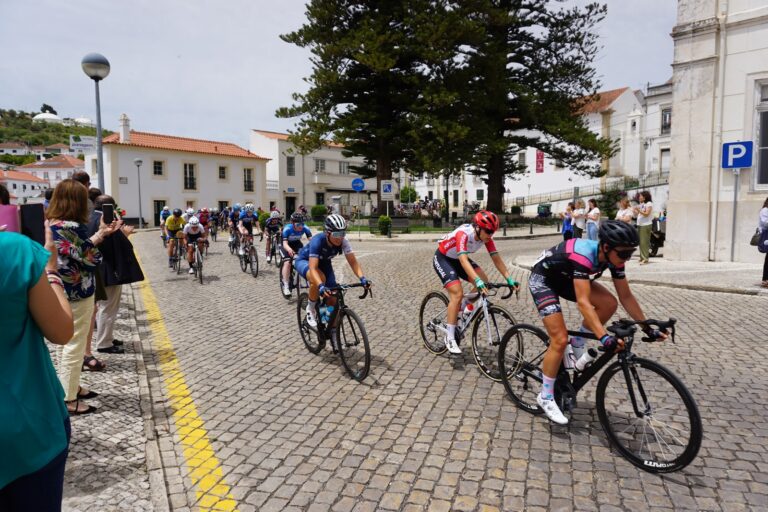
<point x="737" y="155"/>
<point x="358" y="184"/>
<point x="82" y="144"/>
<point x="387" y="192"/>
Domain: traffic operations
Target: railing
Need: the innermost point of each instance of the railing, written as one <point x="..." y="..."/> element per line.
<point x="617" y="183"/>
<point x="273" y="185"/>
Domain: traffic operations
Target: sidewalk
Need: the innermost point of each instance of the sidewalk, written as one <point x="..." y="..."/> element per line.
<point x="741" y="278"/>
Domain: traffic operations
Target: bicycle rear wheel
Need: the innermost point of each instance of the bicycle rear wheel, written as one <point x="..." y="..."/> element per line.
<point x="353" y="345"/>
<point x="309" y="335"/>
<point x="663" y="432"/>
<point x="486" y="338"/>
<point x="520" y="355"/>
<point x="253" y="257"/>
<point x="244" y="261"/>
<point x="432" y="315"/>
<point x="199" y="264"/>
<point x="232" y="247"/>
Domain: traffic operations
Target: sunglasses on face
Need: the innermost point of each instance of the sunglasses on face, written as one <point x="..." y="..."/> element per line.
<point x="298" y="225"/>
<point x="624" y="255"/>
<point x="488" y="232"/>
<point x="338" y="234"/>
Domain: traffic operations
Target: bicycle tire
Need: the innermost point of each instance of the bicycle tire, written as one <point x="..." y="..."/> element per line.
<point x="165" y="241"/>
<point x="436" y="315"/>
<point x="243" y="262"/>
<point x="253" y="257"/>
<point x="642" y="393"/>
<point x="520" y="355"/>
<point x="358" y="365"/>
<point x="232" y="247"/>
<point x="199" y="264"/>
<point x="487" y="355"/>
<point x="180" y="255"/>
<point x="311" y="339"/>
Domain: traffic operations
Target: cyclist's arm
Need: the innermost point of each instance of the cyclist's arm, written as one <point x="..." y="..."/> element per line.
<point x="583" y="289"/>
<point x="354" y="264"/>
<point x="498" y="262"/>
<point x="628" y="300"/>
<point x="467" y="266"/>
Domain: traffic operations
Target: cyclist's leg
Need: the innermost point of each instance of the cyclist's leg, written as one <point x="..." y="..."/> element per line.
<point x="285" y="271"/>
<point x="326" y="268"/>
<point x="450" y="273"/>
<point x="190" y="253"/>
<point x="604" y="302"/>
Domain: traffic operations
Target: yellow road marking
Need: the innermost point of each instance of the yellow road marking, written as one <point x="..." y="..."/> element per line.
<point x="203" y="466"/>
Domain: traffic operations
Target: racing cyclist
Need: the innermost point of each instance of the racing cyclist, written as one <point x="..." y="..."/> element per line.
<point x="164" y="214"/>
<point x="272" y="226"/>
<point x="247" y="222"/>
<point x="292" y="234"/>
<point x="173" y="225"/>
<point x="569" y="270"/>
<point x="194" y="233"/>
<point x="234" y="220"/>
<point x="452" y="263"/>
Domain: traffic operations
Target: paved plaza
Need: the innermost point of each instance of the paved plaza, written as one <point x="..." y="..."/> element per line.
<point x="239" y="415"/>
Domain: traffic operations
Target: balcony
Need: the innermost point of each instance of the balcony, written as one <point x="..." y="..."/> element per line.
<point x="272" y="185"/>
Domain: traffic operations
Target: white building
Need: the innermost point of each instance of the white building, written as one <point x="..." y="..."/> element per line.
<point x="178" y="172"/>
<point x="23" y="186"/>
<point x="54" y="170"/>
<point x="720" y="77"/>
<point x="47" y="117"/>
<point x="321" y="177"/>
<point x="14" y="148"/>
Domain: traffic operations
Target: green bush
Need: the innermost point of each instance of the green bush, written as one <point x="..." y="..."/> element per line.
<point x="408" y="195"/>
<point x="516" y="210"/>
<point x="319" y="210"/>
<point x="385" y="224"/>
<point x="263" y="219"/>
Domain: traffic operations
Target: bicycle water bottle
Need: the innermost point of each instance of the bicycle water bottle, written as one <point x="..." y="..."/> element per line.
<point x="323" y="313"/>
<point x="328" y="312"/>
<point x="586" y="359"/>
<point x="468" y="310"/>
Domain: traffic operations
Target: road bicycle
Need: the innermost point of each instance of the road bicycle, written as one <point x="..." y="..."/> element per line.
<point x="295" y="282"/>
<point x="250" y="257"/>
<point x="646" y="411"/>
<point x="214" y="229"/>
<point x="275" y="241"/>
<point x="164" y="238"/>
<point x="179" y="254"/>
<point x="234" y="243"/>
<point x="198" y="264"/>
<point x="488" y="322"/>
<point x="341" y="326"/>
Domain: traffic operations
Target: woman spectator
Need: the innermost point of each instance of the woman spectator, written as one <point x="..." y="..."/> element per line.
<point x="644" y="212"/>
<point x="579" y="219"/>
<point x="567" y="217"/>
<point x="593" y="220"/>
<point x="34" y="424"/>
<point x="763" y="226"/>
<point x="78" y="257"/>
<point x="5" y="196"/>
<point x="625" y="211"/>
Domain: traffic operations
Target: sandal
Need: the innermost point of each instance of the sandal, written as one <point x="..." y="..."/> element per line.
<point x="77" y="411"/>
<point x="82" y="395"/>
<point x="111" y="350"/>
<point x="92" y="364"/>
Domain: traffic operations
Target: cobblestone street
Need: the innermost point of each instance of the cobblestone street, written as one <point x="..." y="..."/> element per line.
<point x="235" y="391"/>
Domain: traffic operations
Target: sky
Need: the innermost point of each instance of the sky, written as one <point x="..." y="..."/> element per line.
<point x="217" y="69"/>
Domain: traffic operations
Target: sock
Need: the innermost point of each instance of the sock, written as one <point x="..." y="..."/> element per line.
<point x="451" y="334"/>
<point x="548" y="388"/>
<point x="311" y="305"/>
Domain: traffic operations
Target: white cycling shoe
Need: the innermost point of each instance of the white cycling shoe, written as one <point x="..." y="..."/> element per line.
<point x="451" y="345"/>
<point x="286" y="290"/>
<point x="191" y="270"/>
<point x="311" y="320"/>
<point x="551" y="410"/>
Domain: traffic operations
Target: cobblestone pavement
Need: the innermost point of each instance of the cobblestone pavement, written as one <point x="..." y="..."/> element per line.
<point x="292" y="432"/>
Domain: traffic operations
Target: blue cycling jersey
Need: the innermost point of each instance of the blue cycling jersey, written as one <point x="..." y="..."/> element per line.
<point x="164" y="215"/>
<point x="247" y="219"/>
<point x="319" y="247"/>
<point x="291" y="235"/>
<point x="234" y="216"/>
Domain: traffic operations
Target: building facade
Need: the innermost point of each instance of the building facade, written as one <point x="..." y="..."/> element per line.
<point x="23" y="186"/>
<point x="54" y="170"/>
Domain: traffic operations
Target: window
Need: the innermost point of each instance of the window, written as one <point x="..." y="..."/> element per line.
<point x="191" y="204"/>
<point x="58" y="175"/>
<point x="455" y="198"/>
<point x="319" y="198"/>
<point x="480" y="194"/>
<point x="319" y="166"/>
<point x="665" y="157"/>
<point x="222" y="172"/>
<point x="291" y="165"/>
<point x="521" y="159"/>
<point x="666" y="120"/>
<point x="431" y="195"/>
<point x="343" y="167"/>
<point x="45" y="175"/>
<point x="761" y="175"/>
<point x="189" y="177"/>
<point x="14" y="186"/>
<point x="157" y="168"/>
<point x="248" y="180"/>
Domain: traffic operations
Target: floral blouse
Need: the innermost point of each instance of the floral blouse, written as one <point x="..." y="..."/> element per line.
<point x="78" y="258"/>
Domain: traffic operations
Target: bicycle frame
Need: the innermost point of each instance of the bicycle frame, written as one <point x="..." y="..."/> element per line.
<point x="484" y="301"/>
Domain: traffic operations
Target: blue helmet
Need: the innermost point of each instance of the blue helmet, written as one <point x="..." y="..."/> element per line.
<point x="236" y="206"/>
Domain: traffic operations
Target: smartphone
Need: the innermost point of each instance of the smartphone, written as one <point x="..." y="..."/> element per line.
<point x="9" y="217"/>
<point x="33" y="222"/>
<point x="108" y="212"/>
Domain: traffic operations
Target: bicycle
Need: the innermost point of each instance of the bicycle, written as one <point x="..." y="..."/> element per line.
<point x="633" y="410"/>
<point x="275" y="240"/>
<point x="485" y="342"/>
<point x="179" y="254"/>
<point x="295" y="281"/>
<point x="234" y="243"/>
<point x="198" y="264"/>
<point x="353" y="347"/>
<point x="164" y="238"/>
<point x="214" y="229"/>
<point x="250" y="257"/>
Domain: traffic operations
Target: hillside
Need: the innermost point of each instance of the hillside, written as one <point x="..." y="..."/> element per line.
<point x="17" y="126"/>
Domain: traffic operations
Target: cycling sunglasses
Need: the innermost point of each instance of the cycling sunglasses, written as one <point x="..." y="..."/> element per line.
<point x="625" y="254"/>
<point x="338" y="234"/>
<point x="489" y="232"/>
<point x="298" y="224"/>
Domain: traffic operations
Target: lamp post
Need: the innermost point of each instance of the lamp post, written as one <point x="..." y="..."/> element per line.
<point x="96" y="66"/>
<point x="138" y="163"/>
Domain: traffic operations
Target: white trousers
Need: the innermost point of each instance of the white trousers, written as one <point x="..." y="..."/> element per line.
<point x="106" y="314"/>
<point x="71" y="355"/>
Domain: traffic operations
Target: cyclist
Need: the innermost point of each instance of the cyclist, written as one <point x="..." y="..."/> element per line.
<point x="194" y="233"/>
<point x="164" y="214"/>
<point x="314" y="262"/>
<point x="234" y="220"/>
<point x="272" y="227"/>
<point x="204" y="217"/>
<point x="188" y="214"/>
<point x="173" y="225"/>
<point x="452" y="263"/>
<point x="246" y="223"/>
<point x="569" y="270"/>
<point x="292" y="234"/>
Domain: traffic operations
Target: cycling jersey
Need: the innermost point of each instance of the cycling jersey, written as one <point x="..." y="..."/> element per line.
<point x="248" y="221"/>
<point x="193" y="233"/>
<point x="164" y="215"/>
<point x="234" y="216"/>
<point x="292" y="236"/>
<point x="203" y="218"/>
<point x="174" y="223"/>
<point x="273" y="225"/>
<point x="464" y="240"/>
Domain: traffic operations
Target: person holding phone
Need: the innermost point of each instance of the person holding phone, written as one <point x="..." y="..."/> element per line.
<point x="77" y="261"/>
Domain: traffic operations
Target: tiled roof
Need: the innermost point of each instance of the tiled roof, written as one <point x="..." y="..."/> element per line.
<point x="157" y="141"/>
<point x="20" y="176"/>
<point x="602" y="101"/>
<point x="284" y="136"/>
<point x="57" y="162"/>
<point x="58" y="146"/>
<point x="12" y="145"/>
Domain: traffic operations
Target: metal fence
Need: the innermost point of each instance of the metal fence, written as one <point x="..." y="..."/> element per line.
<point x="610" y="184"/>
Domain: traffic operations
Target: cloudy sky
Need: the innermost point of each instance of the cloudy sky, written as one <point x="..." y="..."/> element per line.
<point x="215" y="69"/>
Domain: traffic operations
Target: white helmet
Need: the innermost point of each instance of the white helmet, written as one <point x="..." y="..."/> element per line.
<point x="190" y="211"/>
<point x="335" y="222"/>
<point x="274" y="215"/>
<point x="249" y="207"/>
<point x="165" y="208"/>
<point x="193" y="221"/>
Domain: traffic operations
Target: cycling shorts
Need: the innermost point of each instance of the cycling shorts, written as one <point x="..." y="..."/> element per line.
<point x="192" y="237"/>
<point x="449" y="270"/>
<point x="173" y="233"/>
<point x="296" y="245"/>
<point x="324" y="266"/>
<point x="546" y="293"/>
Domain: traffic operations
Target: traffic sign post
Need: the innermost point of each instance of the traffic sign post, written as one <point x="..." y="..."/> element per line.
<point x="358" y="185"/>
<point x="387" y="193"/>
<point x="736" y="156"/>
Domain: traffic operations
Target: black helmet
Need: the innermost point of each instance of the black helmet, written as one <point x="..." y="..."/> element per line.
<point x="177" y="211"/>
<point x="297" y="217"/>
<point x="616" y="233"/>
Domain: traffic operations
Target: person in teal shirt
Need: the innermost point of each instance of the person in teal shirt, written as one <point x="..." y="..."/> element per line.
<point x="34" y="423"/>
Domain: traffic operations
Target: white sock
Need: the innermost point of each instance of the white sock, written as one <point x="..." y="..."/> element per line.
<point x="311" y="305"/>
<point x="451" y="328"/>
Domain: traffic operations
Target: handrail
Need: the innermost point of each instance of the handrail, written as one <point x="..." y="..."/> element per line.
<point x="616" y="183"/>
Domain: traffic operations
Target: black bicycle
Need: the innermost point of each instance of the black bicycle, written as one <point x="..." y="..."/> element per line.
<point x="198" y="264"/>
<point x="342" y="327"/>
<point x="645" y="410"/>
<point x="235" y="242"/>
<point x="250" y="257"/>
<point x="179" y="254"/>
<point x="214" y="229"/>
<point x="274" y="255"/>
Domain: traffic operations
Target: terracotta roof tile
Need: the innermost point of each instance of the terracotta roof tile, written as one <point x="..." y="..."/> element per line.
<point x="601" y="101"/>
<point x="158" y="141"/>
<point x="12" y="145"/>
<point x="57" y="162"/>
<point x="284" y="136"/>
<point x="20" y="176"/>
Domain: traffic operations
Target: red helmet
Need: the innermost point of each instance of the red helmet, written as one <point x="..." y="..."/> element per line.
<point x="487" y="220"/>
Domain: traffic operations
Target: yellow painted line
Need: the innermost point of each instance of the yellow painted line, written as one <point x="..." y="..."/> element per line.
<point x="203" y="466"/>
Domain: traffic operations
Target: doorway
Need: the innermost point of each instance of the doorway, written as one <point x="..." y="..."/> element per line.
<point x="159" y="205"/>
<point x="290" y="206"/>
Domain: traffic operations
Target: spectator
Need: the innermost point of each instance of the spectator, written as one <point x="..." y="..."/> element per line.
<point x="579" y="219"/>
<point x="593" y="219"/>
<point x="34" y="424"/>
<point x="625" y="211"/>
<point x="567" y="217"/>
<point x="48" y="196"/>
<point x="77" y="260"/>
<point x="83" y="178"/>
<point x="644" y="212"/>
<point x="763" y="224"/>
<point x="5" y="196"/>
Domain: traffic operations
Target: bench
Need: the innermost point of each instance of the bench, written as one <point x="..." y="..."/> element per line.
<point x="398" y="224"/>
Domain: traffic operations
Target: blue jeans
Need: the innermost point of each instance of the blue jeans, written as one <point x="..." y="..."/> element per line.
<point x="592" y="231"/>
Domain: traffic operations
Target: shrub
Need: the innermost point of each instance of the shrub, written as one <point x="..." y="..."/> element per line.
<point x="408" y="195"/>
<point x="516" y="210"/>
<point x="385" y="224"/>
<point x="263" y="219"/>
<point x="319" y="210"/>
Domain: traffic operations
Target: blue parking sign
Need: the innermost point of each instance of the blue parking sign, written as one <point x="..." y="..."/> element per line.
<point x="737" y="155"/>
<point x="387" y="188"/>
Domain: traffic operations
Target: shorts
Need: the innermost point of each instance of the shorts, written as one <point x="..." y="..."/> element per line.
<point x="546" y="294"/>
<point x="296" y="246"/>
<point x="192" y="238"/>
<point x="172" y="233"/>
<point x="324" y="266"/>
<point x="449" y="270"/>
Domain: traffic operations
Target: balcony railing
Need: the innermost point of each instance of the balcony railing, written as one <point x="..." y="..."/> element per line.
<point x="619" y="183"/>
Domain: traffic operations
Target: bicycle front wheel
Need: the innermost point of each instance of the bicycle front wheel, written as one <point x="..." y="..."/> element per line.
<point x="232" y="247"/>
<point x="243" y="262"/>
<point x="353" y="345"/>
<point x="199" y="264"/>
<point x="253" y="257"/>
<point x="309" y="335"/>
<point x="521" y="352"/>
<point x="649" y="415"/>
<point x="432" y="315"/>
<point x="486" y="338"/>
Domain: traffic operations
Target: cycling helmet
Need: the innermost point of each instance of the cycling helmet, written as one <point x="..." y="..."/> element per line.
<point x="205" y="210"/>
<point x="237" y="206"/>
<point x="335" y="222"/>
<point x="249" y="207"/>
<point x="297" y="217"/>
<point x="215" y="210"/>
<point x="177" y="212"/>
<point x="274" y="215"/>
<point x="193" y="221"/>
<point x="190" y="211"/>
<point x="487" y="220"/>
<point x="616" y="233"/>
<point x="165" y="208"/>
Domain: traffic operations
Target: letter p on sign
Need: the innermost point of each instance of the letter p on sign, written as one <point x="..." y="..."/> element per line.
<point x="737" y="155"/>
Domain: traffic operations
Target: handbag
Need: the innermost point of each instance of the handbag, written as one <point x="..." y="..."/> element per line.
<point x="762" y="243"/>
<point x="755" y="238"/>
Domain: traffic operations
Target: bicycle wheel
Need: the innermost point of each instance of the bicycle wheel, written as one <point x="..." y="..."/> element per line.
<point x="432" y="314"/>
<point x="199" y="264"/>
<point x="165" y="241"/>
<point x="244" y="261"/>
<point x="253" y="257"/>
<point x="520" y="355"/>
<point x="180" y="256"/>
<point x="353" y="345"/>
<point x="213" y="234"/>
<point x="309" y="335"/>
<point x="649" y="415"/>
<point x="232" y="247"/>
<point x="486" y="338"/>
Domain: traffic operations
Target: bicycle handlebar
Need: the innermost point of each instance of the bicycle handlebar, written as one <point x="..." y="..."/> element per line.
<point x="624" y="327"/>
<point x="493" y="286"/>
<point x="344" y="287"/>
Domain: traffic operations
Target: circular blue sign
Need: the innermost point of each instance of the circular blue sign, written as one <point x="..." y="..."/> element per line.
<point x="358" y="184"/>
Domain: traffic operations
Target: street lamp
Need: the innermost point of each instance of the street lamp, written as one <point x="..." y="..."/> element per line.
<point x="138" y="163"/>
<point x="96" y="66"/>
